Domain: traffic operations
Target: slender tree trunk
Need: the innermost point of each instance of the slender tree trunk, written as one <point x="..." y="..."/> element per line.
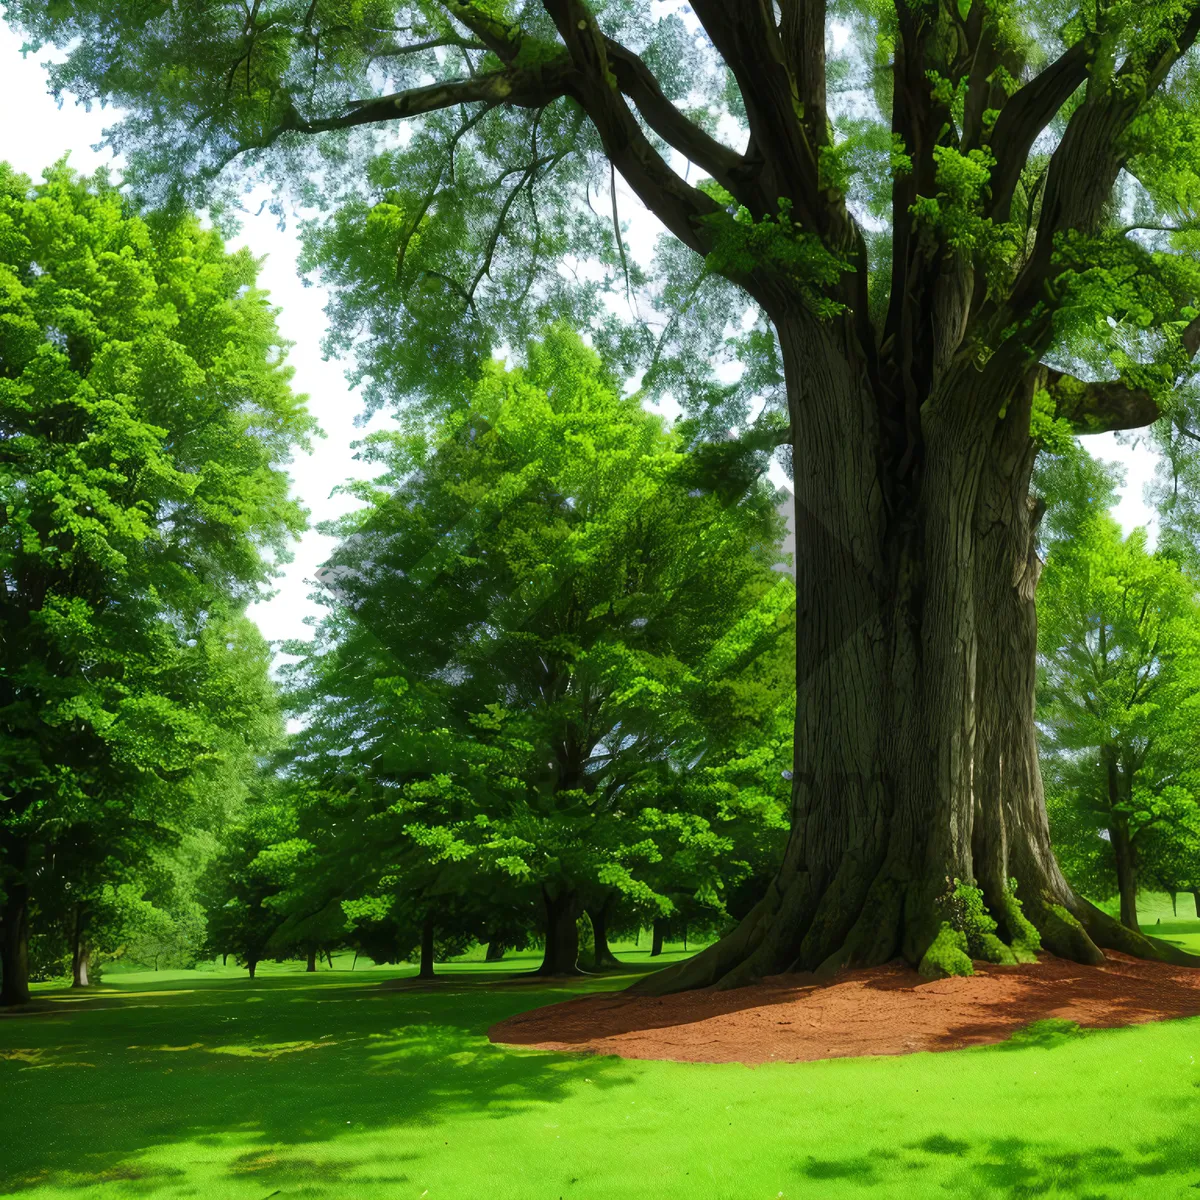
<point x="427" y="931"/>
<point x="1196" y="901"/>
<point x="1126" y="873"/>
<point x="251" y="966"/>
<point x="311" y="965"/>
<point x="329" y="958"/>
<point x="495" y="951"/>
<point x="224" y="957"/>
<point x="562" y="934"/>
<point x="603" y="957"/>
<point x="656" y="945"/>
<point x="79" y="950"/>
<point x="14" y="946"/>
<point x="915" y="742"/>
<point x="355" y="962"/>
<point x="685" y="936"/>
<point x="1174" y="908"/>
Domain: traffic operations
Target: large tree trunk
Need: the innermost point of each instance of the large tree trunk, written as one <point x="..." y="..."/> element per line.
<point x="1126" y="873"/>
<point x="14" y="946"/>
<point x="656" y="939"/>
<point x="79" y="950"/>
<point x="495" y="951"/>
<point x="561" y="956"/>
<point x="311" y="965"/>
<point x="602" y="958"/>
<point x="915" y="744"/>
<point x="427" y="931"/>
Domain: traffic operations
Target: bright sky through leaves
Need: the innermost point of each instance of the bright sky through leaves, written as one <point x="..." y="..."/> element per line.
<point x="36" y="132"/>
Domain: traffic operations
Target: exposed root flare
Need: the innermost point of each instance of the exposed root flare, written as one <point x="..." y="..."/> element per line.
<point x="862" y="918"/>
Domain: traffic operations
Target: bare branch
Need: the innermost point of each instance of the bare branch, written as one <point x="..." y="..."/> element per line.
<point x="1024" y="117"/>
<point x="677" y="204"/>
<point x="522" y="88"/>
<point x="637" y="81"/>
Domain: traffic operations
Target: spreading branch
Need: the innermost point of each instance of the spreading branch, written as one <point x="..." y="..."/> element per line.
<point x="515" y="86"/>
<point x="1100" y="407"/>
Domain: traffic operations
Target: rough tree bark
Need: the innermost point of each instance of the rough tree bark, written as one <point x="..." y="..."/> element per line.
<point x="915" y="751"/>
<point x="311" y="964"/>
<point x="14" y="946"/>
<point x="495" y="951"/>
<point x="427" y="931"/>
<point x="603" y="957"/>
<point x="79" y="949"/>
<point x="656" y="941"/>
<point x="561" y="956"/>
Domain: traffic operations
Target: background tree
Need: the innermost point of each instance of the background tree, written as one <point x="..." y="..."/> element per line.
<point x="531" y="612"/>
<point x="145" y="422"/>
<point x="1120" y="632"/>
<point x="953" y="226"/>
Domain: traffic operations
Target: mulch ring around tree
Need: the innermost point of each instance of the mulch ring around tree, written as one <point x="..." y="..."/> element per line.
<point x="881" y="1010"/>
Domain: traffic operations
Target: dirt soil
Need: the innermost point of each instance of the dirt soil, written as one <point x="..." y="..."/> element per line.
<point x="883" y="1010"/>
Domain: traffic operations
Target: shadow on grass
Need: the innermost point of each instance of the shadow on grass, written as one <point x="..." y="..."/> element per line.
<point x="1018" y="1167"/>
<point x="251" y="1065"/>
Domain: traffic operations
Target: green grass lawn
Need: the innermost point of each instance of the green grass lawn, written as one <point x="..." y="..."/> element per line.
<point x="205" y="1084"/>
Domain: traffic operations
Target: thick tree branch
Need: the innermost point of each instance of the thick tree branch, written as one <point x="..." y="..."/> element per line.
<point x="1085" y="165"/>
<point x="677" y="204"/>
<point x="802" y="34"/>
<point x="1024" y="117"/>
<point x="637" y="81"/>
<point x="1100" y="407"/>
<point x="522" y="88"/>
<point x="744" y="34"/>
<point x="503" y="39"/>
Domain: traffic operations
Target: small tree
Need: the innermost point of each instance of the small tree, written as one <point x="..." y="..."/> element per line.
<point x="1120" y="693"/>
<point x="529" y="616"/>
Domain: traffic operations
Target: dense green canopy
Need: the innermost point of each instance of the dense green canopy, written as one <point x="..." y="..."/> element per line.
<point x="551" y="662"/>
<point x="146" y="420"/>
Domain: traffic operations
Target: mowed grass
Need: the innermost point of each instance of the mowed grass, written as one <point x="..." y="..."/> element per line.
<point x="205" y="1084"/>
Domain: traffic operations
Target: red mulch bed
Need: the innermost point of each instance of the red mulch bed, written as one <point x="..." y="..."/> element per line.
<point x="883" y="1010"/>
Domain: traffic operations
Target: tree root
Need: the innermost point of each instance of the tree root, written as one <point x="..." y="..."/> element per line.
<point x="1107" y="932"/>
<point x="853" y="924"/>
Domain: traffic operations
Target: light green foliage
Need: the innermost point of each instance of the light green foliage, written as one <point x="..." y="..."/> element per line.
<point x="1051" y="432"/>
<point x="145" y="422"/>
<point x="539" y="628"/>
<point x="1119" y="630"/>
<point x="955" y="212"/>
<point x="776" y="245"/>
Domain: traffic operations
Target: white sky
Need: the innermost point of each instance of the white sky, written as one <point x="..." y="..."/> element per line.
<point x="34" y="132"/>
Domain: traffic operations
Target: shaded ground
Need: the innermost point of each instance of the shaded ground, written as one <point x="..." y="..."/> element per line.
<point x="207" y="1086"/>
<point x="885" y="1010"/>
